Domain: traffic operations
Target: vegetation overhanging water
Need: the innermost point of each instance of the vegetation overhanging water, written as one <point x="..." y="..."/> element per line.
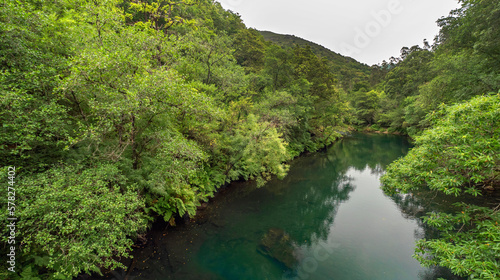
<point x="328" y="219"/>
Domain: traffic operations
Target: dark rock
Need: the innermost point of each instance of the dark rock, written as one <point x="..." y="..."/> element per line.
<point x="276" y="244"/>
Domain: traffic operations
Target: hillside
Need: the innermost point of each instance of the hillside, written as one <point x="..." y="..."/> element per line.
<point x="347" y="70"/>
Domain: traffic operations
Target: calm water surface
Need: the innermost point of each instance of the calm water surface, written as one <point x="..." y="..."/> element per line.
<point x="328" y="219"/>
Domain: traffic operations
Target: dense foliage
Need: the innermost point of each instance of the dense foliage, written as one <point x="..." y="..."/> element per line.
<point x="77" y="219"/>
<point x="469" y="243"/>
<point x="117" y="112"/>
<point x="459" y="155"/>
<point x="439" y="95"/>
<point x="346" y="70"/>
<point x="462" y="63"/>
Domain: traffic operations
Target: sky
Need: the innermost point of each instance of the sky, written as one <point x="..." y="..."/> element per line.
<point x="370" y="31"/>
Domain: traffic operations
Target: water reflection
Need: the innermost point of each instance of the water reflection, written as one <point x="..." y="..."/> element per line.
<point x="328" y="219"/>
<point x="419" y="203"/>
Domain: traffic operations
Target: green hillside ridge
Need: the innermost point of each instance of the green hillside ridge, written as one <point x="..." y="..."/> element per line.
<point x="286" y="40"/>
<point x="347" y="70"/>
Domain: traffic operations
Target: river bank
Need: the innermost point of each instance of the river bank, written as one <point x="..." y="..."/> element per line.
<point x="147" y="239"/>
<point x="322" y="208"/>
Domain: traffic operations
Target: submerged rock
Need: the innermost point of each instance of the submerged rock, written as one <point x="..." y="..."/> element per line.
<point x="276" y="244"/>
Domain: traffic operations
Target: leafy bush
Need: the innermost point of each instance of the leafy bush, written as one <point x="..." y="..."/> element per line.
<point x="460" y="154"/>
<point x="75" y="219"/>
<point x="469" y="243"/>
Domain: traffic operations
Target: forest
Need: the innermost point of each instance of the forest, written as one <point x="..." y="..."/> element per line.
<point x="117" y="113"/>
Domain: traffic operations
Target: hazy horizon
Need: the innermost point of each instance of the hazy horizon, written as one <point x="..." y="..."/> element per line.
<point x="366" y="30"/>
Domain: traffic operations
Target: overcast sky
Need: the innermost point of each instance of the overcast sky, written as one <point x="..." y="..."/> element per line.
<point x="367" y="30"/>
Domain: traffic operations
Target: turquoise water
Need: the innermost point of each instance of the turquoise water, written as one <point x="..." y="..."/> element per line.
<point x="328" y="219"/>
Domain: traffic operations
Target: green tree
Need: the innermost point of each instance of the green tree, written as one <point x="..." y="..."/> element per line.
<point x="277" y="66"/>
<point x="461" y="64"/>
<point x="34" y="47"/>
<point x="255" y="151"/>
<point x="250" y="49"/>
<point x="209" y="60"/>
<point x="76" y="219"/>
<point x="459" y="155"/>
<point x="402" y="84"/>
<point x="366" y="105"/>
<point x="159" y="15"/>
<point x="327" y="112"/>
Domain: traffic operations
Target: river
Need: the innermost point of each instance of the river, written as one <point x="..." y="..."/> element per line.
<point x="328" y="219"/>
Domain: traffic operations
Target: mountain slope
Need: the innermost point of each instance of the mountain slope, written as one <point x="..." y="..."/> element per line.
<point x="347" y="70"/>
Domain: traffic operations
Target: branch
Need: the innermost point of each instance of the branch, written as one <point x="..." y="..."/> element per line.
<point x="497" y="208"/>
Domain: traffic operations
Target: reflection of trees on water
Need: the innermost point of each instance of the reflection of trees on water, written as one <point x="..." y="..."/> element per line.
<point x="374" y="151"/>
<point x="315" y="189"/>
<point x="377" y="171"/>
<point x="378" y="151"/>
<point x="317" y="220"/>
<point x="438" y="272"/>
<point x="327" y="185"/>
<point x="416" y="205"/>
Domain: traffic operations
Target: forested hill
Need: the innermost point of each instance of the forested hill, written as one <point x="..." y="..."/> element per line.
<point x="292" y="40"/>
<point x="346" y="69"/>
